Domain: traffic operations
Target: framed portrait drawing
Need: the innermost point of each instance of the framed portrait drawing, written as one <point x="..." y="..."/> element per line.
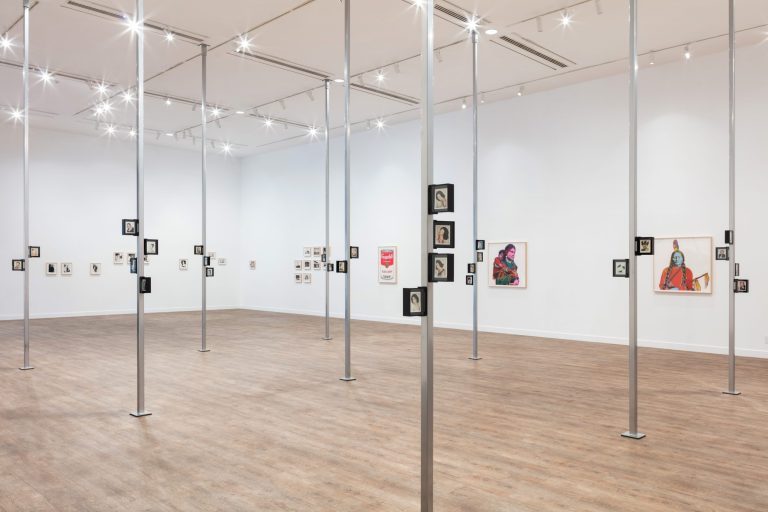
<point x="644" y="246"/>
<point x="479" y="245"/>
<point x="199" y="250"/>
<point x="480" y="257"/>
<point x="206" y="261"/>
<point x="131" y="227"/>
<point x="354" y="252"/>
<point x="329" y="267"/>
<point x="440" y="198"/>
<point x="721" y="253"/>
<point x="471" y="268"/>
<point x="470" y="280"/>
<point x="17" y="265"/>
<point x="306" y="265"/>
<point x="621" y="268"/>
<point x="683" y="265"/>
<point x="415" y="301"/>
<point x="297" y="278"/>
<point x="222" y="262"/>
<point x="118" y="258"/>
<point x="134" y="264"/>
<point x="508" y="264"/>
<point x="440" y="268"/>
<point x="306" y="278"/>
<point x="317" y="265"/>
<point x="252" y="264"/>
<point x="66" y="269"/>
<point x="388" y="265"/>
<point x="443" y="234"/>
<point x="145" y="285"/>
<point x="95" y="269"/>
<point x="317" y="252"/>
<point x="741" y="286"/>
<point x="297" y="265"/>
<point x="51" y="269"/>
<point x="151" y="247"/>
<point x="183" y="264"/>
<point x="341" y="267"/>
<point x="209" y="272"/>
<point x="307" y="252"/>
<point x="34" y="252"/>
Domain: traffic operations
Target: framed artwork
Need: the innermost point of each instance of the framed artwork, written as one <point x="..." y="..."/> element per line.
<point x="729" y="237"/>
<point x="510" y="264"/>
<point x="34" y="252"/>
<point x="306" y="265"/>
<point x="443" y="234"/>
<point x="212" y="255"/>
<point x="151" y="247"/>
<point x="329" y="267"/>
<point x="52" y="269"/>
<point x="252" y="264"/>
<point x="317" y="265"/>
<point x="95" y="269"/>
<point x="721" y="253"/>
<point x="440" y="268"/>
<point x="471" y="268"/>
<point x="131" y="255"/>
<point x="222" y="262"/>
<point x="741" y="286"/>
<point x="17" y="265"/>
<point x="479" y="245"/>
<point x="206" y="261"/>
<point x="297" y="265"/>
<point x="66" y="269"/>
<point x="297" y="278"/>
<point x="131" y="227"/>
<point x="199" y="250"/>
<point x="209" y="272"/>
<point x="354" y="252"/>
<point x="388" y="265"/>
<point x="737" y="271"/>
<point x="307" y="252"/>
<point x="183" y="264"/>
<point x="415" y="301"/>
<point x="317" y="252"/>
<point x="306" y="278"/>
<point x="621" y="268"/>
<point x="471" y="280"/>
<point x="341" y="267"/>
<point x="134" y="263"/>
<point x="118" y="258"/>
<point x="644" y="246"/>
<point x="683" y="265"/>
<point x="145" y="285"/>
<point x="146" y="259"/>
<point x="440" y="198"/>
<point x="480" y="257"/>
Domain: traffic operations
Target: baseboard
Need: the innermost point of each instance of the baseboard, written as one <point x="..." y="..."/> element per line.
<point x="76" y="314"/>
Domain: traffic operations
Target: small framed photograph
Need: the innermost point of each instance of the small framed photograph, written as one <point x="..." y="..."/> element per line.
<point x="306" y="278"/>
<point x="721" y="253"/>
<point x="145" y="285"/>
<point x="199" y="250"/>
<point x="212" y="255"/>
<point x="222" y="262"/>
<point x="470" y="280"/>
<point x="415" y="301"/>
<point x="183" y="264"/>
<point x="131" y="227"/>
<point x="317" y="252"/>
<point x="298" y="265"/>
<point x="66" y="269"/>
<point x="443" y="234"/>
<point x="329" y="267"/>
<point x="354" y="252"/>
<point x="131" y="255"/>
<point x="479" y="245"/>
<point x="209" y="272"/>
<point x="306" y="265"/>
<point x="252" y="264"/>
<point x="737" y="271"/>
<point x="95" y="269"/>
<point x="644" y="246"/>
<point x="341" y="267"/>
<point x="471" y="268"/>
<point x="440" y="198"/>
<point x="480" y="257"/>
<point x="297" y="278"/>
<point x="151" y="247"/>
<point x="729" y="237"/>
<point x="307" y="252"/>
<point x="324" y="257"/>
<point x="206" y="261"/>
<point x="741" y="285"/>
<point x="34" y="252"/>
<point x="146" y="260"/>
<point x="118" y="258"/>
<point x="52" y="269"/>
<point x="440" y="268"/>
<point x="621" y="268"/>
<point x="17" y="265"/>
<point x="134" y="264"/>
<point x="317" y="265"/>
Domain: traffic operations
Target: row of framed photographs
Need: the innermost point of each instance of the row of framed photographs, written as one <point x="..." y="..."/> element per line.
<point x="302" y="278"/>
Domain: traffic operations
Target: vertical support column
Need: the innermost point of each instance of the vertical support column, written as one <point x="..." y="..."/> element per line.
<point x="732" y="200"/>
<point x="427" y="322"/>
<point x="204" y="199"/>
<point x="327" y="336"/>
<point x="347" y="135"/>
<point x="25" y="78"/>
<point x="633" y="433"/>
<point x="140" y="406"/>
<point x="475" y="106"/>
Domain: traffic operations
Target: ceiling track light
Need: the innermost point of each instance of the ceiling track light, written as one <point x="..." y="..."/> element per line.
<point x="521" y="90"/>
<point x="439" y="55"/>
<point x="599" y="7"/>
<point x="213" y="144"/>
<point x="168" y="102"/>
<point x="482" y="98"/>
<point x="687" y="52"/>
<point x="157" y="135"/>
<point x="218" y="123"/>
<point x="565" y="18"/>
<point x="539" y="24"/>
<point x="311" y="96"/>
<point x="652" y="60"/>
<point x="282" y="104"/>
<point x="464" y="104"/>
<point x="397" y="67"/>
<point x="472" y="24"/>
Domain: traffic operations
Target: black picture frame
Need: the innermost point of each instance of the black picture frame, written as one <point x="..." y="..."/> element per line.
<point x="199" y="250"/>
<point x="130" y="227"/>
<point x="329" y="267"/>
<point x="145" y="285"/>
<point x="471" y="268"/>
<point x="722" y="253"/>
<point x="618" y="265"/>
<point x="354" y="252"/>
<point x="449" y="226"/>
<point x="133" y="264"/>
<point x="470" y="280"/>
<point x="645" y="245"/>
<point x="729" y="238"/>
<point x="323" y="258"/>
<point x="447" y="263"/>
<point x="18" y="265"/>
<point x="417" y="308"/>
<point x="206" y="261"/>
<point x="741" y="285"/>
<point x="479" y="245"/>
<point x="341" y="267"/>
<point x="480" y="257"/>
<point x="147" y="243"/>
<point x="33" y="251"/>
<point x="210" y="272"/>
<point x="737" y="270"/>
<point x="446" y="203"/>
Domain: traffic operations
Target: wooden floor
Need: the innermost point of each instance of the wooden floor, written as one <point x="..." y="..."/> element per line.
<point x="262" y="422"/>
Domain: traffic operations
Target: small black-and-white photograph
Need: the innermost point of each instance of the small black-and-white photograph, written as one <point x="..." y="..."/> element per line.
<point x="52" y="269"/>
<point x="151" y="247"/>
<point x="95" y="269"/>
<point x="471" y="268"/>
<point x="480" y="256"/>
<point x="130" y="227"/>
<point x="17" y="265"/>
<point x="470" y="280"/>
<point x="341" y="267"/>
<point x="721" y="253"/>
<point x="206" y="261"/>
<point x="354" y="252"/>
<point x="317" y="252"/>
<point x="307" y="252"/>
<point x="183" y="264"/>
<point x="222" y="262"/>
<point x="306" y="278"/>
<point x="644" y="246"/>
<point x="440" y="198"/>
<point x="620" y="268"/>
<point x="479" y="245"/>
<point x="317" y="265"/>
<point x="414" y="302"/>
<point x="66" y="269"/>
<point x="306" y="265"/>
<point x="441" y="268"/>
<point x="134" y="263"/>
<point x="252" y="264"/>
<point x="329" y="267"/>
<point x="118" y="258"/>
<point x="145" y="285"/>
<point x="209" y="272"/>
<point x="443" y="234"/>
<point x="297" y="278"/>
<point x="199" y="250"/>
<point x="34" y="252"/>
<point x="297" y="265"/>
<point x="212" y="255"/>
<point x="742" y="286"/>
<point x="146" y="260"/>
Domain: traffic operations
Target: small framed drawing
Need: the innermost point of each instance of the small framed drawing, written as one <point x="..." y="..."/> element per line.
<point x="471" y="280"/>
<point x="297" y="278"/>
<point x="252" y="264"/>
<point x="510" y="264"/>
<point x="307" y="252"/>
<point x="118" y="258"/>
<point x="146" y="259"/>
<point x="66" y="269"/>
<point x="209" y="272"/>
<point x="415" y="301"/>
<point x="317" y="252"/>
<point x="341" y="267"/>
<point x="151" y="247"/>
<point x="17" y="265"/>
<point x="222" y="262"/>
<point x="34" y="252"/>
<point x="95" y="269"/>
<point x="183" y="264"/>
<point x="306" y="278"/>
<point x="297" y="265"/>
<point x="741" y="286"/>
<point x="199" y="250"/>
<point x="729" y="237"/>
<point x="206" y="261"/>
<point x="443" y="234"/>
<point x="354" y="253"/>
<point x="388" y="265"/>
<point x="306" y="265"/>
<point x="644" y="246"/>
<point x="52" y="269"/>
<point x="131" y="227"/>
<point x="212" y="255"/>
<point x="621" y="268"/>
<point x="479" y="245"/>
<point x="721" y="253"/>
<point x="480" y="257"/>
<point x="324" y="257"/>
<point x="134" y="264"/>
<point x="440" y="198"/>
<point x="329" y="267"/>
<point x="471" y="268"/>
<point x="145" y="285"/>
<point x="317" y="265"/>
<point x="440" y="268"/>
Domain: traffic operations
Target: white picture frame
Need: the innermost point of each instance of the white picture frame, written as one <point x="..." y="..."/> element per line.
<point x="501" y="271"/>
<point x="387" y="264"/>
<point x="697" y="260"/>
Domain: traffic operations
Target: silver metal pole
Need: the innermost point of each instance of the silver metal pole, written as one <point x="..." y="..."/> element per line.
<point x="347" y="136"/>
<point x="327" y="336"/>
<point x="25" y="78"/>
<point x="204" y="199"/>
<point x="732" y="200"/>
<point x="632" y="433"/>
<point x="427" y="322"/>
<point x="475" y="41"/>
<point x="140" y="408"/>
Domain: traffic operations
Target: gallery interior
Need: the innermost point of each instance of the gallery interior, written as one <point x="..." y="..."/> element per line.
<point x="383" y="255"/>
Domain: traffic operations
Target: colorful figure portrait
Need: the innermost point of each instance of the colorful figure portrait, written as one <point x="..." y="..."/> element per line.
<point x="683" y="265"/>
<point x="510" y="262"/>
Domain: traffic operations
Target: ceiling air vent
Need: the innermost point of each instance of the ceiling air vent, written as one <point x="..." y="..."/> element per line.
<point x="386" y="94"/>
<point x="534" y="52"/>
<point x="269" y="60"/>
<point x="453" y="14"/>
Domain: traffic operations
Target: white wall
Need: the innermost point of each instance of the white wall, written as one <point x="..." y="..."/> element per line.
<point x="81" y="188"/>
<point x="553" y="171"/>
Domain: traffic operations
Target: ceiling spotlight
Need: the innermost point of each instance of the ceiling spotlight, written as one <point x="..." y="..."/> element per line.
<point x="418" y="3"/>
<point x="472" y="24"/>
<point x="539" y="24"/>
<point x="132" y="23"/>
<point x="380" y="124"/>
<point x="268" y="123"/>
<point x="491" y="32"/>
<point x="653" y="59"/>
<point x="6" y="42"/>
<point x="101" y="88"/>
<point x="312" y="132"/>
<point x="521" y="90"/>
<point x="687" y="53"/>
<point x="464" y="104"/>
<point x="243" y="43"/>
<point x="226" y="148"/>
<point x="46" y="76"/>
<point x="17" y="115"/>
<point x="565" y="18"/>
<point x="240" y="112"/>
<point x="111" y="130"/>
<point x="168" y="102"/>
<point x="599" y="6"/>
<point x="169" y="36"/>
<point x="132" y="133"/>
<point x="169" y="134"/>
<point x="380" y="76"/>
<point x="103" y="108"/>
<point x="482" y="98"/>
<point x="338" y="80"/>
<point x="215" y="111"/>
<point x="128" y="97"/>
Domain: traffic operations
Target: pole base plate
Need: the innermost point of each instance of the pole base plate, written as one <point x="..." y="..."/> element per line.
<point x="24" y="368"/>
<point x="326" y="339"/>
<point x="206" y="350"/>
<point x="732" y="393"/>
<point x="347" y="379"/>
<point x="474" y="358"/>
<point x="141" y="414"/>
<point x="633" y="435"/>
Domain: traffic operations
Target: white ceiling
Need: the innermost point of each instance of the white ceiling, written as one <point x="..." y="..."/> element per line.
<point x="296" y="43"/>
